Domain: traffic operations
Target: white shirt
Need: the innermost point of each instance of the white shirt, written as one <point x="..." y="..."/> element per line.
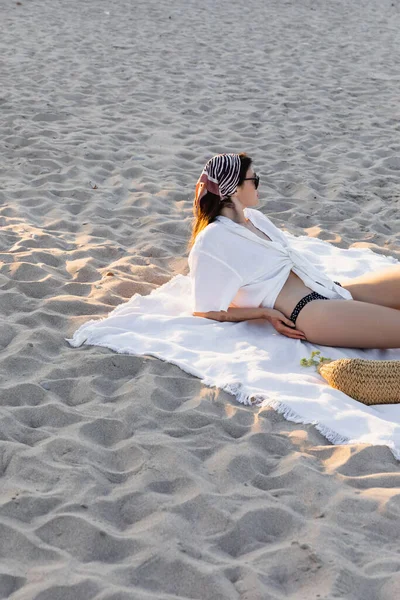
<point x="231" y="265"/>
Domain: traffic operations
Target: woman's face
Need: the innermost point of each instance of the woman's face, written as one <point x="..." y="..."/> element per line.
<point x="246" y="192"/>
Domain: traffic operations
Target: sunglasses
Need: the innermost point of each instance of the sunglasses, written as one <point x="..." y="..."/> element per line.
<point x="256" y="180"/>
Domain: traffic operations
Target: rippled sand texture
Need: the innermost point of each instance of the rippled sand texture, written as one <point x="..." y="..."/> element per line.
<point x="124" y="478"/>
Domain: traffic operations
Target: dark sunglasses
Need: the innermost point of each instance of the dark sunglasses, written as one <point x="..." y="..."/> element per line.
<point x="256" y="180"/>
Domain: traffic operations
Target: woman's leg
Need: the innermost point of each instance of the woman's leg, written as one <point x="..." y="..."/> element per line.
<point x="350" y="324"/>
<point x="381" y="287"/>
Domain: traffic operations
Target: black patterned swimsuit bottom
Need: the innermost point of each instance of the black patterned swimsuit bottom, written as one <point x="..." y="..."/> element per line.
<point x="306" y="300"/>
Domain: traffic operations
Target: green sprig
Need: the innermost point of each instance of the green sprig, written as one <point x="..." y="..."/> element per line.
<point x="304" y="362"/>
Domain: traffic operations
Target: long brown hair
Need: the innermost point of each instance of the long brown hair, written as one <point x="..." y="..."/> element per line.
<point x="210" y="204"/>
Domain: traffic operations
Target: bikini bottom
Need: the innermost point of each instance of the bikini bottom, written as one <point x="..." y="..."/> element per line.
<point x="306" y="300"/>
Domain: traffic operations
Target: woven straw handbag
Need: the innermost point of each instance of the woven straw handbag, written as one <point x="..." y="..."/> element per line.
<point x="368" y="381"/>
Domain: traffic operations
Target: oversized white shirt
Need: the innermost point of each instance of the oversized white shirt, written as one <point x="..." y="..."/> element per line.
<point x="231" y="265"/>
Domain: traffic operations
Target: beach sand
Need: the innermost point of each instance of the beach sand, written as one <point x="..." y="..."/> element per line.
<point x="124" y="478"/>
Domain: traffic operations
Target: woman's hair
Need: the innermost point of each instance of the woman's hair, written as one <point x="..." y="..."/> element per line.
<point x="210" y="204"/>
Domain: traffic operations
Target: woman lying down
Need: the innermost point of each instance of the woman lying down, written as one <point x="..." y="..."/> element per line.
<point x="243" y="267"/>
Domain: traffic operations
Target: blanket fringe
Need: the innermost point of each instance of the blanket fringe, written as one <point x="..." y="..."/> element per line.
<point x="241" y="395"/>
<point x="288" y="413"/>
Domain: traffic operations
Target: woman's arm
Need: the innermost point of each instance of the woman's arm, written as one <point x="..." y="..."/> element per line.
<point x="277" y="319"/>
<point x="235" y="314"/>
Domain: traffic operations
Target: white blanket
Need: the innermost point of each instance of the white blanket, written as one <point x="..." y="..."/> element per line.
<point x="250" y="359"/>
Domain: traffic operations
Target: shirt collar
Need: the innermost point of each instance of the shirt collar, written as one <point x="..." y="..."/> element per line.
<point x="244" y="232"/>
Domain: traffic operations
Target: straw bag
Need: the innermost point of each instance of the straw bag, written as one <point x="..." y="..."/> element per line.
<point x="368" y="381"/>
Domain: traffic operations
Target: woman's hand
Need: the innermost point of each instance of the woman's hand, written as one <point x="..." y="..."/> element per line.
<point x="284" y="325"/>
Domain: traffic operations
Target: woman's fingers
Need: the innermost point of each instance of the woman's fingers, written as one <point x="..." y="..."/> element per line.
<point x="285" y="321"/>
<point x="294" y="335"/>
<point x="291" y="332"/>
<point x="292" y="327"/>
<point x="294" y="330"/>
<point x="289" y="323"/>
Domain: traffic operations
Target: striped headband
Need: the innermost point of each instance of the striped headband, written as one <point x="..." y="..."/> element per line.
<point x="220" y="176"/>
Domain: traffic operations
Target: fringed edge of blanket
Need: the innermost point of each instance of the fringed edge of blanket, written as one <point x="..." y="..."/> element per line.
<point x="261" y="400"/>
<point x="243" y="397"/>
<point x="288" y="413"/>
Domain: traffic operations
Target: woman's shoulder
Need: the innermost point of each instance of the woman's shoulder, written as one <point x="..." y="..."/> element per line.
<point x="209" y="238"/>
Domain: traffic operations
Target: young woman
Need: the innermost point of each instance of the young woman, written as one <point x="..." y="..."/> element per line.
<point x="243" y="267"/>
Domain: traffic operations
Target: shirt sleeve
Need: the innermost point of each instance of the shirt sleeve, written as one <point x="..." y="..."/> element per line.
<point x="214" y="282"/>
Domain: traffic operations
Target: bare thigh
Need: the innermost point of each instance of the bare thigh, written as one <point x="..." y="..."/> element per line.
<point x="377" y="287"/>
<point x="350" y="324"/>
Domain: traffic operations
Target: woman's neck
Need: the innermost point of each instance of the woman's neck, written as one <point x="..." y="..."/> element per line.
<point x="235" y="215"/>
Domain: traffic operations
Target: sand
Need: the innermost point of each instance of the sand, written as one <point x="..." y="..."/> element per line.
<point x="123" y="477"/>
